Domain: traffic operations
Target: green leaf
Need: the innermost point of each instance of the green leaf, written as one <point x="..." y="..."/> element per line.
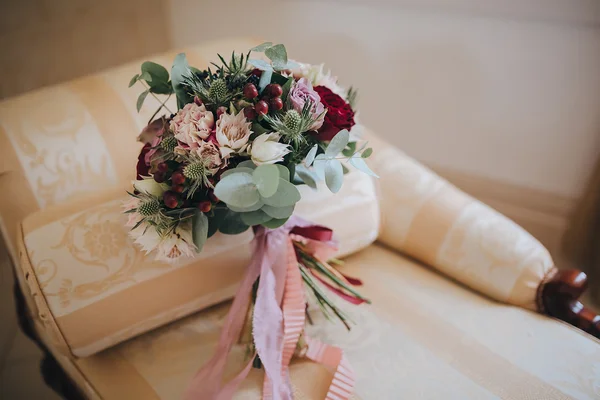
<point x="278" y="212"/>
<point x="236" y="170"/>
<point x="145" y="76"/>
<point x="287" y="195"/>
<point x="367" y="153"/>
<point x="350" y="149"/>
<point x="319" y="165"/>
<point x="232" y="223"/>
<point x="334" y="175"/>
<point x="156" y="71"/>
<point x="238" y="190"/>
<point x="134" y="80"/>
<point x="260" y="64"/>
<point x="199" y="229"/>
<point x="307" y="176"/>
<point x="262" y="47"/>
<point x="286" y="88"/>
<point x="258" y="129"/>
<point x="179" y="70"/>
<point x="360" y="164"/>
<point x="140" y="100"/>
<point x="246" y="164"/>
<point x="256" y="206"/>
<point x="338" y="143"/>
<point x="278" y="55"/>
<point x="283" y="172"/>
<point x="266" y="178"/>
<point x="310" y="157"/>
<point x="265" y="79"/>
<point x="214" y="221"/>
<point x="274" y="223"/>
<point x="255" y="217"/>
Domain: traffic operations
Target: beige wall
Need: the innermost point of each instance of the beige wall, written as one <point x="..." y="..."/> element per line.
<point x="48" y="41"/>
<point x="508" y="90"/>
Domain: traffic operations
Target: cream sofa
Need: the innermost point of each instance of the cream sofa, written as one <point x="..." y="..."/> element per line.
<point x="458" y="290"/>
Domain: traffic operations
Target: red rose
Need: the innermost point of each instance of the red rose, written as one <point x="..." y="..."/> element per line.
<point x="339" y="114"/>
<point x="143" y="169"/>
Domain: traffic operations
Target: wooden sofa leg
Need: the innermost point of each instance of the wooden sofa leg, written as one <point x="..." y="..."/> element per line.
<point x="558" y="298"/>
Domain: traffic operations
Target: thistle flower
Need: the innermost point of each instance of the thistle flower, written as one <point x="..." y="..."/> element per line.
<point x="295" y="123"/>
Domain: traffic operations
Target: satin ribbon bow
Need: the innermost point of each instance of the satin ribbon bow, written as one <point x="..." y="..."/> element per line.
<point x="278" y="319"/>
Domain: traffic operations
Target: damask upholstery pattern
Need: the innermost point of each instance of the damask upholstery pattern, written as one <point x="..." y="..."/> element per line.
<point x="424" y="337"/>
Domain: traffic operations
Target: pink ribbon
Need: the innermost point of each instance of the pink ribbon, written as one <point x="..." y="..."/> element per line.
<point x="278" y="320"/>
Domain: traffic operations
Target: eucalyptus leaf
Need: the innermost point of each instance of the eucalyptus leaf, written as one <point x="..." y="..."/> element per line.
<point x="283" y="172"/>
<point x="199" y="229"/>
<point x="360" y="164"/>
<point x="278" y="55"/>
<point x="338" y="143"/>
<point x="214" y="221"/>
<point x="334" y="175"/>
<point x="350" y="149"/>
<point x="180" y="69"/>
<point x="256" y="206"/>
<point x="258" y="129"/>
<point x="140" y="100"/>
<point x="266" y="178"/>
<point x="262" y="47"/>
<point x="319" y="165"/>
<point x="145" y="76"/>
<point x="367" y="153"/>
<point x="310" y="157"/>
<point x="265" y="79"/>
<point x="238" y="190"/>
<point x="292" y="65"/>
<point x="287" y="195"/>
<point x="307" y="176"/>
<point x="274" y="223"/>
<point x="156" y="71"/>
<point x="246" y="164"/>
<point x="278" y="212"/>
<point x="134" y="80"/>
<point x="255" y="217"/>
<point x="232" y="224"/>
<point x="260" y="64"/>
<point x="236" y="170"/>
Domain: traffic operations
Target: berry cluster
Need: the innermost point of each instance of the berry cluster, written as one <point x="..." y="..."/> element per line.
<point x="269" y="101"/>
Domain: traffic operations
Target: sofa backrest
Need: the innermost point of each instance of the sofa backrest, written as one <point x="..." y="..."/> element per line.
<point x="78" y="137"/>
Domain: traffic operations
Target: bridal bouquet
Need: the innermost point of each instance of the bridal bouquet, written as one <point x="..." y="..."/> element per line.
<point x="247" y="131"/>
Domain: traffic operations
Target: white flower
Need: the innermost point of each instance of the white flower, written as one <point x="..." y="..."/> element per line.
<point x="233" y="132"/>
<point x="192" y="124"/>
<point x="266" y="149"/>
<point x="178" y="243"/>
<point x="151" y="187"/>
<point x="318" y="77"/>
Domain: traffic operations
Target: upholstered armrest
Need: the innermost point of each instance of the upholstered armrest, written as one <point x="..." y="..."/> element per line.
<point x="429" y="219"/>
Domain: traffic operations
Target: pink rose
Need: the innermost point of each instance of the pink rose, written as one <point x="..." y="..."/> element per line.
<point x="192" y="124"/>
<point x="301" y="92"/>
<point x="211" y="156"/>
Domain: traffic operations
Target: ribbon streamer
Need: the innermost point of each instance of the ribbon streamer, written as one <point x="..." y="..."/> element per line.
<point x="278" y="320"/>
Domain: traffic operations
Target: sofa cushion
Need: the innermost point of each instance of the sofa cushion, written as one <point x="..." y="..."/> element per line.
<point x="424" y="337"/>
<point x="428" y="218"/>
<point x="97" y="288"/>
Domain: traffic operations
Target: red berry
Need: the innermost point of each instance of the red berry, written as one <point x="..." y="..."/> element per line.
<point x="274" y="90"/>
<point x="177" y="178"/>
<point x="250" y="91"/>
<point x="212" y="196"/>
<point x="261" y="107"/>
<point x="159" y="176"/>
<point x="178" y="188"/>
<point x="249" y="113"/>
<point x="197" y="100"/>
<point x="205" y="206"/>
<point x="276" y="103"/>
<point x="171" y="199"/>
<point x="256" y="72"/>
<point x="162" y="167"/>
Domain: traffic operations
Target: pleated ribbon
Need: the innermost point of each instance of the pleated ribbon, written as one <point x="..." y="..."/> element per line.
<point x="278" y="319"/>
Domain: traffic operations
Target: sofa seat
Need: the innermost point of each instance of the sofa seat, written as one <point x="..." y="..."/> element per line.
<point x="424" y="337"/>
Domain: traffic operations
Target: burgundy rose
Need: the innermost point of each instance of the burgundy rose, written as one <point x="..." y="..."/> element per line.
<point x="143" y="169"/>
<point x="339" y="114"/>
